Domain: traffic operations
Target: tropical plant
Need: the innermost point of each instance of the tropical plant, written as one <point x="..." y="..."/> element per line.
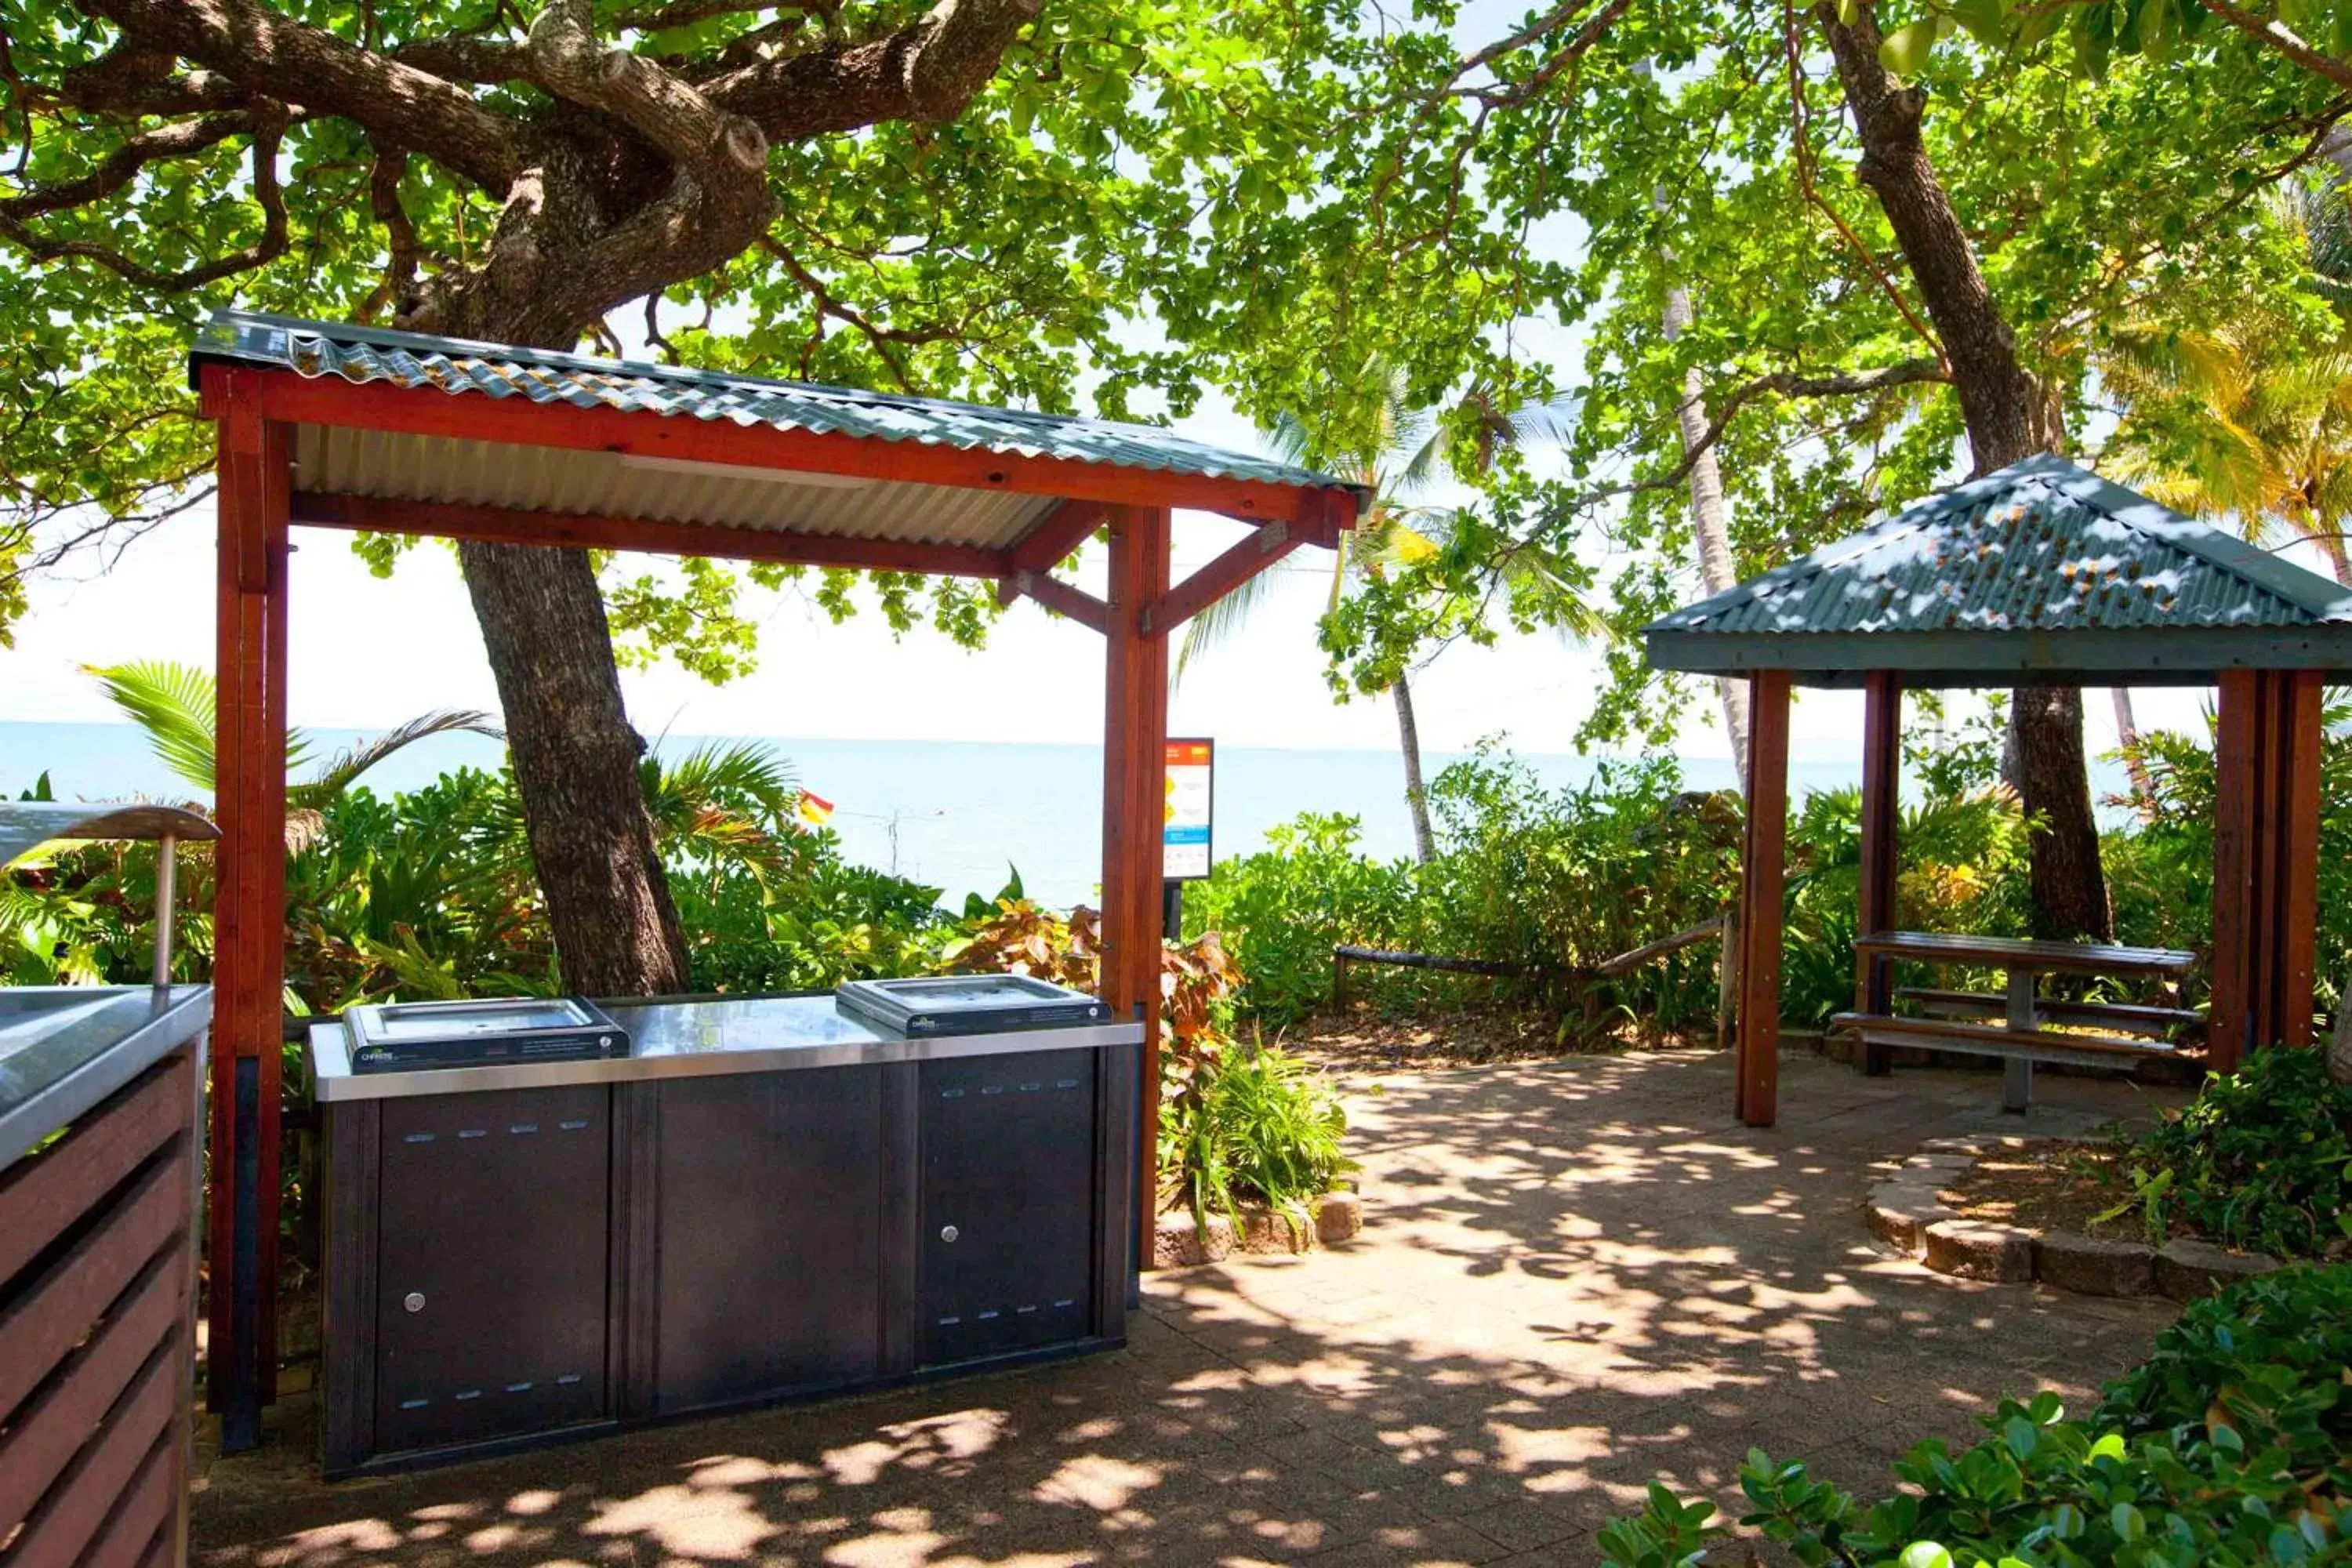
<point x="2261" y="1159"/>
<point x="175" y="705"/>
<point x="2248" y="419"/>
<point x="1259" y="1127"/>
<point x="1401" y="456"/>
<point x="2231" y="1447"/>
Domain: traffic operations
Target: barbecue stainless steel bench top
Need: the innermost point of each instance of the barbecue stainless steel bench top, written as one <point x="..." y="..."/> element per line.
<point x="699" y="1036"/>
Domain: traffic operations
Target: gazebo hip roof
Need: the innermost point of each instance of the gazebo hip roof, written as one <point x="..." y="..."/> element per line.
<point x="2042" y="572"/>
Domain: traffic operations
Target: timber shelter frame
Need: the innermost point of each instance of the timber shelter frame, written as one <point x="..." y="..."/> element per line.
<point x="2041" y="575"/>
<point x="335" y="426"/>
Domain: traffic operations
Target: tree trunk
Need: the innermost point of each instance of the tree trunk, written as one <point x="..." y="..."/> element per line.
<point x="2008" y="420"/>
<point x="1416" y="794"/>
<point x="2127" y="738"/>
<point x="575" y="764"/>
<point x="1710" y="524"/>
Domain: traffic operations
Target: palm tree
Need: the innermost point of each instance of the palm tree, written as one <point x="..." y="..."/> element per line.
<point x="1399" y="458"/>
<point x="2249" y="418"/>
<point x="174" y="703"/>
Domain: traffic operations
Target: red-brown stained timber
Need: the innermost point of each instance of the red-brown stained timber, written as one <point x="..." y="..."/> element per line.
<point x="1057" y="596"/>
<point x="2299" y="857"/>
<point x="652" y="536"/>
<point x="1882" y="765"/>
<point x="1244" y="560"/>
<point x="469" y="416"/>
<point x="2234" y="734"/>
<point x="39" y="1198"/>
<point x="1135" y="732"/>
<point x="1757" y="1067"/>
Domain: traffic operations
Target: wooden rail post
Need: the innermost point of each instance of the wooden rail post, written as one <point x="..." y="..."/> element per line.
<point x="1757" y="1098"/>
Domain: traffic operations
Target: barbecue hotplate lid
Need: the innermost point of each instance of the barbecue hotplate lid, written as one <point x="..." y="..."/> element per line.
<point x="968" y="1003"/>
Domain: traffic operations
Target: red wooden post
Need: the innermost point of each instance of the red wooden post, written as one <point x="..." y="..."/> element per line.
<point x="249" y="944"/>
<point x="1882" y="771"/>
<point x="2235" y="732"/>
<point x="1135" y="736"/>
<point x="1757" y="1063"/>
<point x="2298" y="855"/>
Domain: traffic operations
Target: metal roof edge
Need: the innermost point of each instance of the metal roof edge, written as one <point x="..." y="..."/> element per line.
<point x="2306" y="590"/>
<point x="206" y="348"/>
<point x="2110" y="656"/>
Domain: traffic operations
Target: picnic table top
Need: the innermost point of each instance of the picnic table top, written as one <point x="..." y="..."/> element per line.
<point x="2022" y="953"/>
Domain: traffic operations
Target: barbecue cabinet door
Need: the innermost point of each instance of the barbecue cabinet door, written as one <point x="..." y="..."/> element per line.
<point x="1008" y="1214"/>
<point x="491" y="1265"/>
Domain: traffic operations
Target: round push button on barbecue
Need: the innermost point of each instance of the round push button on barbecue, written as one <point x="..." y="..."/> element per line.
<point x="948" y="1233"/>
<point x="414" y="1301"/>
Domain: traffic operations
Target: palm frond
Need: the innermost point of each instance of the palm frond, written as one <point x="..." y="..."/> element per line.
<point x="1221" y="622"/>
<point x="175" y="704"/>
<point x="750" y="777"/>
<point x="346" y="767"/>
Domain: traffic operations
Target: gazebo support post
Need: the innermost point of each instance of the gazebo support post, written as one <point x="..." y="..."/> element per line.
<point x="1757" y="1063"/>
<point x="1882" y="765"/>
<point x="1135" y="736"/>
<point x="2265" y="863"/>
<point x="249" y="794"/>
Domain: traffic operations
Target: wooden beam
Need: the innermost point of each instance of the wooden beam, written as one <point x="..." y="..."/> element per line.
<point x="1135" y="738"/>
<point x="2228" y="1015"/>
<point x="1248" y="556"/>
<point x="1056" y="537"/>
<point x="1882" y="771"/>
<point x="578" y="531"/>
<point x="1756" y="1098"/>
<point x="472" y="417"/>
<point x="1056" y="596"/>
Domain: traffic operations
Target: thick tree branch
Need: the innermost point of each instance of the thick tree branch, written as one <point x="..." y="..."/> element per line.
<point x="267" y="248"/>
<point x="674" y="118"/>
<point x="926" y="72"/>
<point x="119" y="167"/>
<point x="251" y="44"/>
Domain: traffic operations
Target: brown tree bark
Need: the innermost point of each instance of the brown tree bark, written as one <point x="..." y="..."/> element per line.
<point x="2008" y="419"/>
<point x="617" y="175"/>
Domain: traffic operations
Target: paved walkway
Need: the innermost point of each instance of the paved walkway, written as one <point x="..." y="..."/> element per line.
<point x="1577" y="1278"/>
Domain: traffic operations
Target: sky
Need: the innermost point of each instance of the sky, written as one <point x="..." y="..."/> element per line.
<point x="368" y="653"/>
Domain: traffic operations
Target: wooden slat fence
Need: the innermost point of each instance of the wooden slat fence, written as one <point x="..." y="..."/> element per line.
<point x="97" y="1293"/>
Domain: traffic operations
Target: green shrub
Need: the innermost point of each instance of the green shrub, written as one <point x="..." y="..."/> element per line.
<point x="2228" y="1447"/>
<point x="1260" y="1127"/>
<point x="2261" y="1159"/>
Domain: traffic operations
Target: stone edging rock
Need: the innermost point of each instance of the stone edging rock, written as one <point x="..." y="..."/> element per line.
<point x="1177" y="1243"/>
<point x="1908" y="1212"/>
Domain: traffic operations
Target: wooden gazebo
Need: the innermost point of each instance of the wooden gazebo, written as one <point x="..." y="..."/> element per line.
<point x="344" y="427"/>
<point x="2041" y="574"/>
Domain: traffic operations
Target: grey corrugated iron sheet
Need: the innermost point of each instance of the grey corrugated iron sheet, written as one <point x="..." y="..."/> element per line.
<point x="406" y="359"/>
<point x="2040" y="547"/>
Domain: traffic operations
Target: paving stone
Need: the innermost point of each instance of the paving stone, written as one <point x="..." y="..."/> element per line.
<point x="2093" y="1265"/>
<point x="2187" y="1269"/>
<point x="1971" y="1249"/>
<point x="1341" y="1217"/>
<point x="1899" y="1213"/>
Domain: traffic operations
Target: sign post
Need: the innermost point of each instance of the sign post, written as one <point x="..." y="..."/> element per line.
<point x="1187" y="825"/>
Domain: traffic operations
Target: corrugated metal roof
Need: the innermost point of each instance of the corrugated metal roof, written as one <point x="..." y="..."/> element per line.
<point x="362" y="354"/>
<point x="2043" y="547"/>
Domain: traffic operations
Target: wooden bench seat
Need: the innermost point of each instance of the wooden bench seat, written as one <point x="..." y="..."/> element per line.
<point x="1992" y="1040"/>
<point x="2127" y="1018"/>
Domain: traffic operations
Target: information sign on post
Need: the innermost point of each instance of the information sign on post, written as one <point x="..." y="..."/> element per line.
<point x="1185" y="843"/>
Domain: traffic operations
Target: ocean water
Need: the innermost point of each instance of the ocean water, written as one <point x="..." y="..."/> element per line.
<point x="958" y="816"/>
